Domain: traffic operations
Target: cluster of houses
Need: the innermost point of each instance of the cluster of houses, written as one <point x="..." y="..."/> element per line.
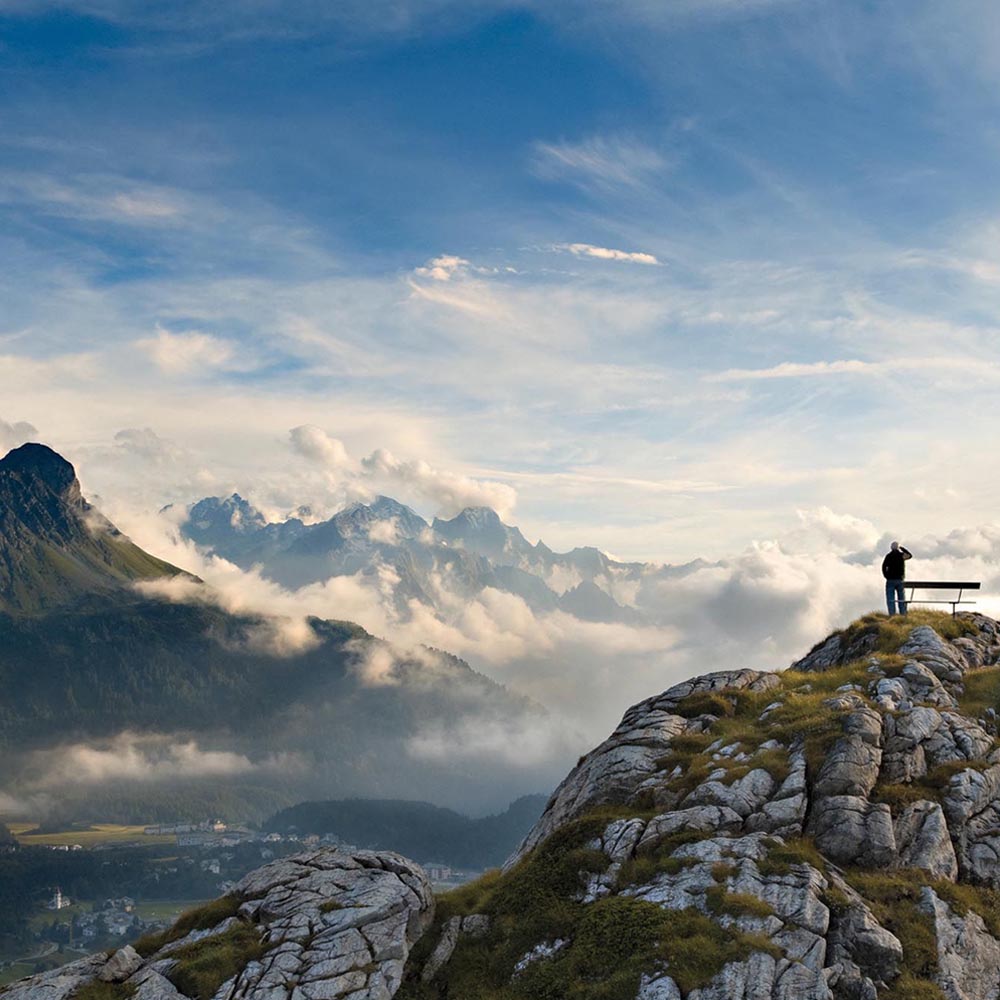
<point x="112" y="918"/>
<point x="216" y="833"/>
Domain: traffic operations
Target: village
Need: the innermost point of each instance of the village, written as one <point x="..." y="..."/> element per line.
<point x="180" y="865"/>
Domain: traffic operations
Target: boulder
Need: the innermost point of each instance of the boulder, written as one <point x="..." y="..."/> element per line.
<point x="332" y="925"/>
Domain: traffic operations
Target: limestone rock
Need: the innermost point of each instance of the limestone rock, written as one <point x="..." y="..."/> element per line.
<point x="122" y="964"/>
<point x="968" y="955"/>
<point x="923" y="841"/>
<point x="785" y="812"/>
<point x="614" y="771"/>
<point x="59" y="984"/>
<point x="333" y="925"/>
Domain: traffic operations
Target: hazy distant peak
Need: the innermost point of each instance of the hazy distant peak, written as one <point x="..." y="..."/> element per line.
<point x="234" y="511"/>
<point x="480" y="530"/>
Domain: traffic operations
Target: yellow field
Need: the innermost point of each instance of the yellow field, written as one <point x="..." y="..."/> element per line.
<point x="99" y="833"/>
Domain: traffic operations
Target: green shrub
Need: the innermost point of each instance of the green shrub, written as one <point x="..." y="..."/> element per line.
<point x="910" y="987"/>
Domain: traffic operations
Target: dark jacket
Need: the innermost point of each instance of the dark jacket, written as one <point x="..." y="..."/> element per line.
<point x="894" y="564"/>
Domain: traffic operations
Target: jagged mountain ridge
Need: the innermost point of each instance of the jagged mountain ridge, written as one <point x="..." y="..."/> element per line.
<point x="831" y="832"/>
<point x="466" y="553"/>
<point x="86" y="660"/>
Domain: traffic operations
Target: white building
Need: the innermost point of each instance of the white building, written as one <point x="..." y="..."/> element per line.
<point x="59" y="901"/>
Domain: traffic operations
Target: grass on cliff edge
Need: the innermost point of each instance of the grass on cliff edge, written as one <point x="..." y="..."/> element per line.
<point x="200" y="918"/>
<point x="892" y="632"/>
<point x="612" y="942"/>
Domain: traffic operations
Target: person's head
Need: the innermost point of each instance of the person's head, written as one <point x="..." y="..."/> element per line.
<point x="895" y="546"/>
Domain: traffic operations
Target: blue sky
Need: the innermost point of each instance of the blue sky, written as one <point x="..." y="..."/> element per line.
<point x="650" y="276"/>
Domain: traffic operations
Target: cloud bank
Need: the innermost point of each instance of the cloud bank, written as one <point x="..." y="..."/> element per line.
<point x="447" y="492"/>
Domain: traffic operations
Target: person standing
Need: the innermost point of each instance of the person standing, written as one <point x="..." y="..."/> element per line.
<point x="894" y="571"/>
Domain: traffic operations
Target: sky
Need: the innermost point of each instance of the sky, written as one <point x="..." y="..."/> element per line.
<point x="680" y="280"/>
<point x="656" y="276"/>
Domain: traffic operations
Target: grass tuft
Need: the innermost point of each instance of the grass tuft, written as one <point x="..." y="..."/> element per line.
<point x="201" y="918"/>
<point x="736" y="904"/>
<point x="97" y="990"/>
<point x="202" y="967"/>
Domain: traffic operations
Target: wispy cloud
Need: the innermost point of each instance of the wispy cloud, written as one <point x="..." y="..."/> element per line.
<point x="980" y="369"/>
<point x="100" y="197"/>
<point x="606" y="253"/>
<point x="605" y="161"/>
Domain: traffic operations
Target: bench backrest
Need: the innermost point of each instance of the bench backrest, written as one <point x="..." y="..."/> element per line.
<point x="938" y="585"/>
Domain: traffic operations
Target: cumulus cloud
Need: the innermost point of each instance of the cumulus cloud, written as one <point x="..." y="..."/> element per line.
<point x="145" y="443"/>
<point x="844" y="532"/>
<point x="384" y="532"/>
<point x="315" y="444"/>
<point x="16" y="434"/>
<point x="442" y="268"/>
<point x="606" y="253"/>
<point x="449" y="492"/>
<point x="179" y="353"/>
<point x="145" y="757"/>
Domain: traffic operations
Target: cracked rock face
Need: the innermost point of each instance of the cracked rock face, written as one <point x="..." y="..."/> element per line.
<point x="330" y="925"/>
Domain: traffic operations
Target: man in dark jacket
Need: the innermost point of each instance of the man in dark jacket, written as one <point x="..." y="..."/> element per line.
<point x="894" y="571"/>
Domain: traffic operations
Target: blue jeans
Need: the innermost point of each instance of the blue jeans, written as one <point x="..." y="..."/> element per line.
<point x="895" y="593"/>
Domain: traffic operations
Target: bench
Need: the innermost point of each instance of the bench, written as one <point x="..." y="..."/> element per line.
<point x="913" y="585"/>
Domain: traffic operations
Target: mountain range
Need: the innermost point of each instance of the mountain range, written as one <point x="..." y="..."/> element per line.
<point x="462" y="556"/>
<point x="121" y="673"/>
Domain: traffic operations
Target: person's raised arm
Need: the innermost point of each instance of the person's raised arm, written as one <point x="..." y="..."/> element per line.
<point x="907" y="554"/>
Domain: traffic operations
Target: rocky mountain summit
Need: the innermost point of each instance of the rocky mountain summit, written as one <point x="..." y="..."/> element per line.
<point x="54" y="547"/>
<point x="830" y="832"/>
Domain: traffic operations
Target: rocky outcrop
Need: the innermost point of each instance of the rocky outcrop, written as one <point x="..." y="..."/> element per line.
<point x="820" y="817"/>
<point x="319" y="926"/>
<point x="827" y="833"/>
<point x="617" y="771"/>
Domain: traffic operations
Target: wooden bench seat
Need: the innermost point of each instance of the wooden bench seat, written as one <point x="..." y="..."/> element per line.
<point x="960" y="586"/>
